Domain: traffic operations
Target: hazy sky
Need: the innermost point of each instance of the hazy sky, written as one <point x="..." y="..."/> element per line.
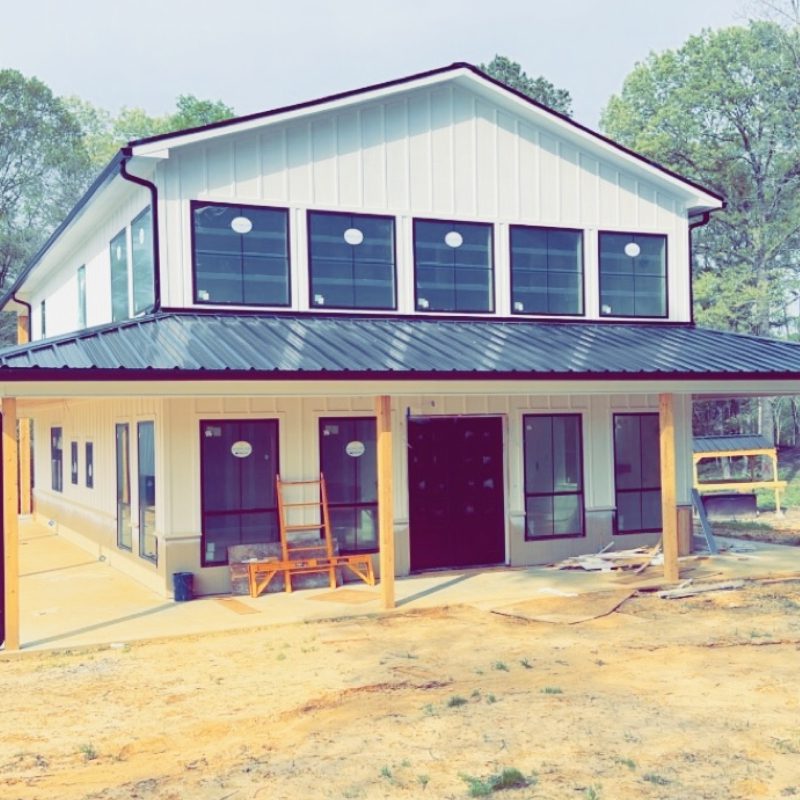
<point x="259" y="54"/>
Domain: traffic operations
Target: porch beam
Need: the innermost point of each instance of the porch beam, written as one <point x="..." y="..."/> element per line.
<point x="383" y="412"/>
<point x="25" y="488"/>
<point x="669" y="502"/>
<point x="10" y="525"/>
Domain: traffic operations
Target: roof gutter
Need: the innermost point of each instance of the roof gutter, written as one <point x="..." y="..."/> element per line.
<point x="127" y="154"/>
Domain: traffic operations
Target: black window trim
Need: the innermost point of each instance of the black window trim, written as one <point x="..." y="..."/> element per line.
<point x="193" y="204"/>
<point x="661" y="235"/>
<point x="214" y="421"/>
<point x="582" y="232"/>
<point x="641" y="489"/>
<point x="328" y="212"/>
<point x="581" y="493"/>
<point x="493" y="270"/>
<point x="347" y="416"/>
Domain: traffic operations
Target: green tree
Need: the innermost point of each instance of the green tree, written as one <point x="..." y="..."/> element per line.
<point x="540" y="89"/>
<point x="44" y="167"/>
<point x="724" y="110"/>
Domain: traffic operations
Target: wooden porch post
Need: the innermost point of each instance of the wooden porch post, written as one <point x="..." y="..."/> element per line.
<point x="383" y="411"/>
<point x="669" y="505"/>
<point x="25" y="491"/>
<point x="10" y="524"/>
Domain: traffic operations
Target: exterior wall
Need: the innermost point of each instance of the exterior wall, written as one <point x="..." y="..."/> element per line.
<point x="88" y="515"/>
<point x="60" y="291"/>
<point x="435" y="153"/>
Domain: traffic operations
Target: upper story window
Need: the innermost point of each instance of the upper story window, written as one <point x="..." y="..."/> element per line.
<point x="351" y="261"/>
<point x="633" y="275"/>
<point x="546" y="271"/>
<point x="119" y="276"/>
<point x="82" y="297"/>
<point x="57" y="459"/>
<point x="241" y="254"/>
<point x="43" y="318"/>
<point x="454" y="266"/>
<point x="142" y="266"/>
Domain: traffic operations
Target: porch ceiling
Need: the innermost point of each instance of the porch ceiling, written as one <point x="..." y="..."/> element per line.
<point x="202" y="346"/>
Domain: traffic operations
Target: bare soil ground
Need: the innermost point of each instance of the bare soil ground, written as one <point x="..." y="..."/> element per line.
<point x="693" y="698"/>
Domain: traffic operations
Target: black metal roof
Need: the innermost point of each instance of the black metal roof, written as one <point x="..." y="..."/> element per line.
<point x="197" y="345"/>
<point x="719" y="444"/>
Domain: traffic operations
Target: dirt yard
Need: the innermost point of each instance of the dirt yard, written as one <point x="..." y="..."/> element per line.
<point x="693" y="698"/>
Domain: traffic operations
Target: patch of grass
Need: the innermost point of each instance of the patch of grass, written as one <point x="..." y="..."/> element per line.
<point x="551" y="690"/>
<point x="456" y="700"/>
<point x="591" y="793"/>
<point x="525" y="663"/>
<point x="476" y="694"/>
<point x="429" y="710"/>
<point x="655" y="779"/>
<point x="490" y="698"/>
<point x="386" y="772"/>
<point x="785" y="745"/>
<point x="759" y="635"/>
<point x="626" y="762"/>
<point x="423" y="780"/>
<point x="508" y="778"/>
<point x="790" y="791"/>
<point x="280" y="657"/>
<point x="501" y="666"/>
<point x="89" y="752"/>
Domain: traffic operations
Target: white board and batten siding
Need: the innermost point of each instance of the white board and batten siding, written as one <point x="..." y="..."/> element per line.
<point x="441" y="153"/>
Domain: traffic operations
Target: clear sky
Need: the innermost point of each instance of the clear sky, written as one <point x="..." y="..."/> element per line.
<point x="259" y="54"/>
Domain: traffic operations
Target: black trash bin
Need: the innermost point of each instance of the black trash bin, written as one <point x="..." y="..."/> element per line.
<point x="182" y="586"/>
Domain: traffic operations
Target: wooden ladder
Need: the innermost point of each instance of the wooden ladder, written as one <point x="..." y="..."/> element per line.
<point x="303" y="558"/>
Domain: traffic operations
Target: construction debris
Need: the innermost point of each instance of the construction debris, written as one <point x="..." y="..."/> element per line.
<point x="604" y="560"/>
<point x="690" y="589"/>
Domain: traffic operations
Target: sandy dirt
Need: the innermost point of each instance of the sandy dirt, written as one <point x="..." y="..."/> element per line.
<point x="694" y="698"/>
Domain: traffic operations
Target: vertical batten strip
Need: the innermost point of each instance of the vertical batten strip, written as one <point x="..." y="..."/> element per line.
<point x="10" y="525"/>
<point x="669" y="506"/>
<point x="383" y="412"/>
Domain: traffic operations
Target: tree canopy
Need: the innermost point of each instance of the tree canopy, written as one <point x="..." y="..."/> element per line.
<point x="724" y="110"/>
<point x="540" y="89"/>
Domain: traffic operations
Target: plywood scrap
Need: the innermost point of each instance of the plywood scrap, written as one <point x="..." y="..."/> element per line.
<point x="567" y="610"/>
<point x="692" y="589"/>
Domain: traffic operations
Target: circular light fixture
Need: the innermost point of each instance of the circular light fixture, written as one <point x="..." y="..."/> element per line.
<point x="632" y="249"/>
<point x="453" y="239"/>
<point x="353" y="236"/>
<point x="241" y="225"/>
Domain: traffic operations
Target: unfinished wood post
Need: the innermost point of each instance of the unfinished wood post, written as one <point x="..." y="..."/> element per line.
<point x="25" y="489"/>
<point x="10" y="524"/>
<point x="669" y="505"/>
<point x="383" y="412"/>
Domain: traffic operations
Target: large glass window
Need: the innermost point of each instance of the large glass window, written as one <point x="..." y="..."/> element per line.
<point x="124" y="523"/>
<point x="119" y="277"/>
<point x="633" y="275"/>
<point x="146" y="459"/>
<point x="637" y="473"/>
<point x="546" y="271"/>
<point x="57" y="459"/>
<point x="454" y="266"/>
<point x="348" y="460"/>
<point x="239" y="460"/>
<point x="142" y="264"/>
<point x="81" y="297"/>
<point x="351" y="260"/>
<point x="241" y="254"/>
<point x="553" y="476"/>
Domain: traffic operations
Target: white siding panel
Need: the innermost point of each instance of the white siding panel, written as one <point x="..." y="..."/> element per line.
<point x="419" y="153"/>
<point x="647" y="206"/>
<point x="589" y="189"/>
<point x="464" y="180"/>
<point x="323" y="138"/>
<point x="299" y="163"/>
<point x="568" y="184"/>
<point x="609" y="194"/>
<point x="549" y="193"/>
<point x="442" y="152"/>
<point x="373" y="154"/>
<point x="247" y="169"/>
<point x="508" y="165"/>
<point x="486" y="166"/>
<point x="348" y="148"/>
<point x="221" y="181"/>
<point x="628" y="202"/>
<point x="397" y="169"/>
<point x="274" y="164"/>
<point x="528" y="174"/>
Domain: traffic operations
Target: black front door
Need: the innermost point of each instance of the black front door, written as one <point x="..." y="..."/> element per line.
<point x="455" y="478"/>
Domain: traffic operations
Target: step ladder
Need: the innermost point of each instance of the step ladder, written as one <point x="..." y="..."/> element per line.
<point x="299" y="556"/>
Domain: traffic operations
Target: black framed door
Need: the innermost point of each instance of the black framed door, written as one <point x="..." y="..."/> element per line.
<point x="456" y="497"/>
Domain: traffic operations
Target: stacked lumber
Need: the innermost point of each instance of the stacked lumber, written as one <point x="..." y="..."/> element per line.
<point x="638" y="558"/>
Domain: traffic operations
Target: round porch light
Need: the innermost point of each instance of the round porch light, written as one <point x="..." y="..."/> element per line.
<point x="632" y="249"/>
<point x="353" y="236"/>
<point x="453" y="239"/>
<point x="241" y="225"/>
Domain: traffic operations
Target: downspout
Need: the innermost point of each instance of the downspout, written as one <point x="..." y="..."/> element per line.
<point x="151" y="187"/>
<point x="704" y="218"/>
<point x="30" y="314"/>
